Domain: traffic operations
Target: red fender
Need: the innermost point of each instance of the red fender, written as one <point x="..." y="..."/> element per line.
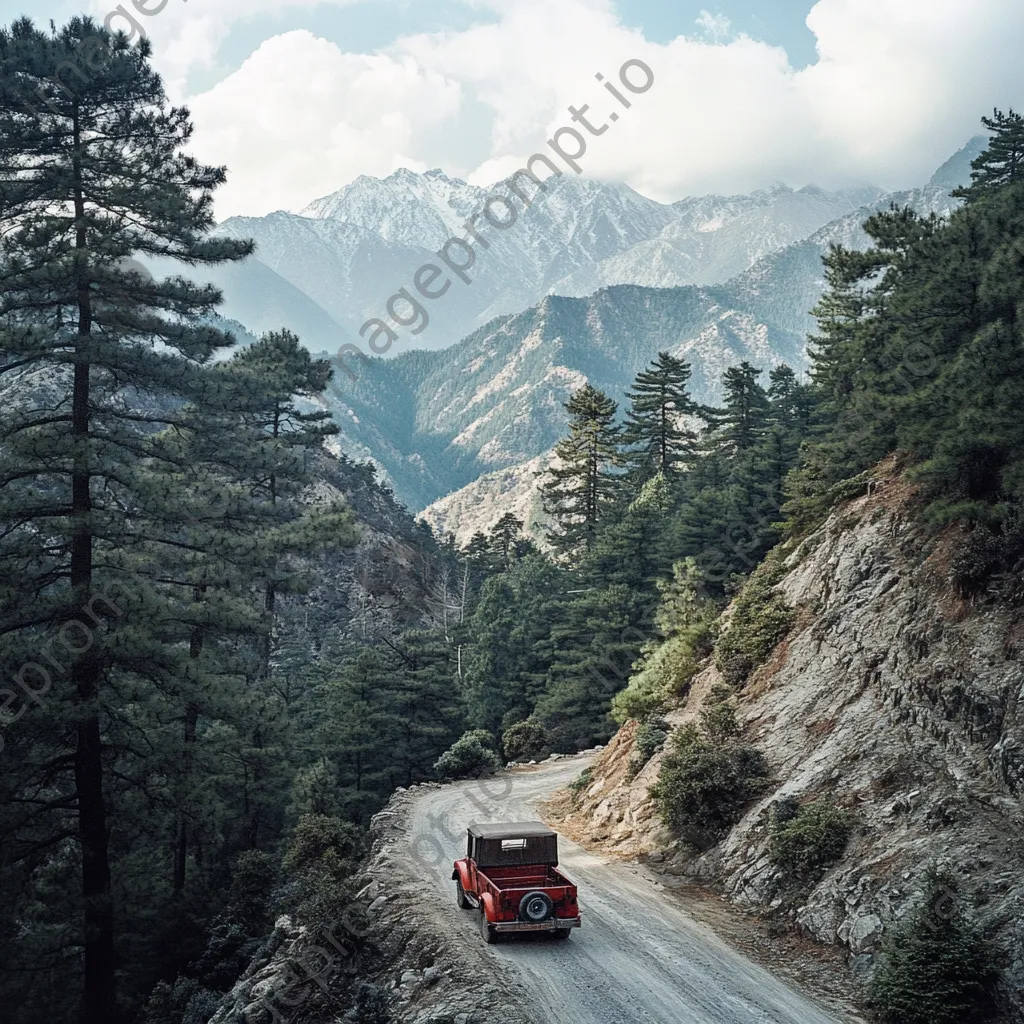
<point x="487" y="902"/>
<point x="461" y="873"/>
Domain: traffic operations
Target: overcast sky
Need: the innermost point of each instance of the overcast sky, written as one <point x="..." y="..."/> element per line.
<point x="299" y="97"/>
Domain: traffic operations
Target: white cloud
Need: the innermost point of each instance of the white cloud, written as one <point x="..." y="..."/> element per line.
<point x="300" y="119"/>
<point x="189" y="36"/>
<point x="717" y="26"/>
<point x="898" y="86"/>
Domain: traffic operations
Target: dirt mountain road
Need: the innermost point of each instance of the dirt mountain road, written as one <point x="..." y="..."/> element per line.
<point x="639" y="957"/>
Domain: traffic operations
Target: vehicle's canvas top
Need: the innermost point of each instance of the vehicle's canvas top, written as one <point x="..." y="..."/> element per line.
<point x="510" y="830"/>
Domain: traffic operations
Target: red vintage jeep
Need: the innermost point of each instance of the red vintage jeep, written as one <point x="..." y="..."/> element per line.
<point x="510" y="874"/>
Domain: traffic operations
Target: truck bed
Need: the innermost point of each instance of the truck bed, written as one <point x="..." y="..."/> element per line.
<point x="524" y="877"/>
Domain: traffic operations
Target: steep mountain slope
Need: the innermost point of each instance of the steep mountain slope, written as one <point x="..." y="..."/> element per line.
<point x="437" y="421"/>
<point x="889" y="696"/>
<point x="475" y="508"/>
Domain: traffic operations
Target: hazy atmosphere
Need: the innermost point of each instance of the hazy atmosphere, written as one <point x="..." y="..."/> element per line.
<point x="511" y="512"/>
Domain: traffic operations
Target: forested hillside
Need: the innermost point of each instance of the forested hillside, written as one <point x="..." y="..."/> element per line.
<point x="223" y="647"/>
<point x="840" y="750"/>
<point x="917" y="353"/>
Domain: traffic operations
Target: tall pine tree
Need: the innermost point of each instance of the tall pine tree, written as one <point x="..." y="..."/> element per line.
<point x="580" y="487"/>
<point x="740" y="423"/>
<point x="92" y="173"/>
<point x="279" y="374"/>
<point x="1002" y="162"/>
<point x="659" y="399"/>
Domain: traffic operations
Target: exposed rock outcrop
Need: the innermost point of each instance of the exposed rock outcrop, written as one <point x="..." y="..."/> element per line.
<point x="895" y="699"/>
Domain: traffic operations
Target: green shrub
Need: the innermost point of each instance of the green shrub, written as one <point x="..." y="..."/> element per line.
<point x="201" y="1007"/>
<point x="760" y="620"/>
<point x="644" y="696"/>
<point x="786" y="808"/>
<point x="665" y="674"/>
<point x="370" y="1005"/>
<point x="187" y="1002"/>
<point x="525" y="740"/>
<point x="650" y="738"/>
<point x="937" y="967"/>
<point x="315" y="790"/>
<point x="326" y="843"/>
<point x="686" y="617"/>
<point x="483" y="736"/>
<point x="581" y="782"/>
<point x="812" y="501"/>
<point x="252" y="882"/>
<point x="229" y="949"/>
<point x="807" y="839"/>
<point x="703" y="785"/>
<point x="468" y="757"/>
<point x="718" y="716"/>
<point x="974" y="561"/>
<point x="160" y="1007"/>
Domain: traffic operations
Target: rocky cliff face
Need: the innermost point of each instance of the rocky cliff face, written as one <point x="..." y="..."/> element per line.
<point x="894" y="698"/>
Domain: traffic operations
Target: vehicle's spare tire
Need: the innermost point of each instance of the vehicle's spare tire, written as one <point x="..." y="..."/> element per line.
<point x="536" y="907"/>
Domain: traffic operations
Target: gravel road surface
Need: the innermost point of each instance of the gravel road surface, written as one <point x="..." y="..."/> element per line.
<point x="639" y="957"/>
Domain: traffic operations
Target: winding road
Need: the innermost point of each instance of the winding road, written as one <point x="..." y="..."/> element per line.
<point x="639" y="957"/>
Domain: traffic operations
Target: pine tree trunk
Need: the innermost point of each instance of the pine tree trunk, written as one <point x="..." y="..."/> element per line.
<point x="97" y="907"/>
<point x="195" y="649"/>
<point x="181" y="843"/>
<point x="267" y="640"/>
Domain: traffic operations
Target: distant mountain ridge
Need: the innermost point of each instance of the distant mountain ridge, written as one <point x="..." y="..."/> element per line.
<point x="349" y="252"/>
<point x="436" y="421"/>
<point x="762" y="315"/>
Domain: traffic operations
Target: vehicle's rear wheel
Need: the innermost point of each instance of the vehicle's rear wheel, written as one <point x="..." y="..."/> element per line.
<point x="460" y="895"/>
<point x="561" y="934"/>
<point x="485" y="929"/>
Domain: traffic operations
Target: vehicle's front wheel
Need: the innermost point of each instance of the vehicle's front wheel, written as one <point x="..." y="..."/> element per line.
<point x="485" y="929"/>
<point x="460" y="895"/>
